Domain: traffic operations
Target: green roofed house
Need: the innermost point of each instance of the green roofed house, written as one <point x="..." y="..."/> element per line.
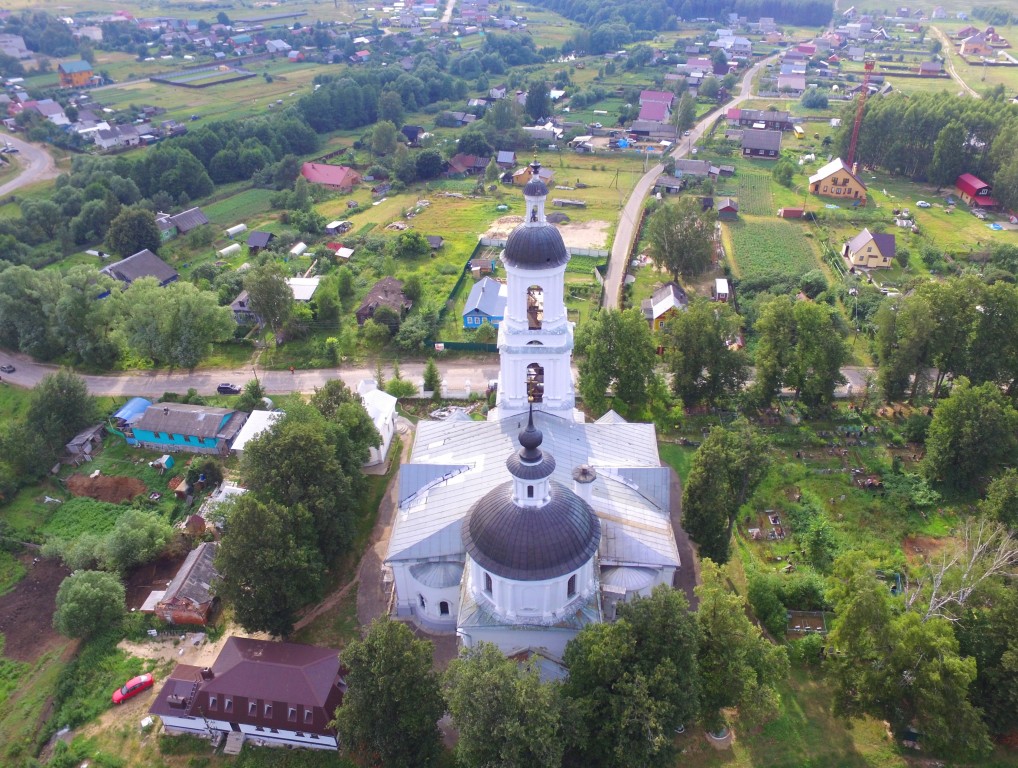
<point x="74" y="74"/>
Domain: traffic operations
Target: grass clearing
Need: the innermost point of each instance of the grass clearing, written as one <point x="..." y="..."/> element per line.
<point x="11" y="572"/>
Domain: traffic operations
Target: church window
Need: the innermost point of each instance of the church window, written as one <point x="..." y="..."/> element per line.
<point x="571" y="586"/>
<point x="535" y="307"/>
<point x="487" y="583"/>
<point x="424" y="603"/>
<point x="533" y="214"/>
<point x="443" y="608"/>
<point x="535" y="383"/>
<point x="530" y="491"/>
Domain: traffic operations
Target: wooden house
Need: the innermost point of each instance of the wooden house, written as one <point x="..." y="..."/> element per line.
<point x="870" y="251"/>
<point x="837" y="180"/>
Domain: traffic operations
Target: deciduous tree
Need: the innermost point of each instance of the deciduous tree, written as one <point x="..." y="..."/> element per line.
<point x="134" y="229"/>
<point x="269" y="296"/>
<point x="701" y="356"/>
<point x="61" y="407"/>
<point x="681" y="238"/>
<point x="88" y="602"/>
<point x="726" y="469"/>
<point x="269" y="563"/>
<point x="504" y="714"/>
<point x="617" y="352"/>
<point x="393" y="700"/>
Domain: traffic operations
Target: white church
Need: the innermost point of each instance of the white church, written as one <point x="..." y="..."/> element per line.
<point x="523" y="529"/>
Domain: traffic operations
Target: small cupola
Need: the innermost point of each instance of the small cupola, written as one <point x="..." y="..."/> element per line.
<point x="531" y="468"/>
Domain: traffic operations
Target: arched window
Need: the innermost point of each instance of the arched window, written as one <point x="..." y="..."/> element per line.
<point x="443" y="608"/>
<point x="487" y="583"/>
<point x="535" y="307"/>
<point x="533" y="214"/>
<point x="423" y="602"/>
<point x="535" y="383"/>
<point x="571" y="586"/>
<point x="530" y="491"/>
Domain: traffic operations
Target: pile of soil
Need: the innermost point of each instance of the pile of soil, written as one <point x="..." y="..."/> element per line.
<point x="106" y="487"/>
<point x="26" y="612"/>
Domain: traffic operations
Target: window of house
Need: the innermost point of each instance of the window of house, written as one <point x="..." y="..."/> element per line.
<point x="252" y="708"/>
<point x="291" y="714"/>
<point x="443" y="608"/>
<point x="213" y="704"/>
<point x="268" y="710"/>
<point x="571" y="586"/>
<point x="487" y="583"/>
<point x="309" y="715"/>
<point x="228" y="704"/>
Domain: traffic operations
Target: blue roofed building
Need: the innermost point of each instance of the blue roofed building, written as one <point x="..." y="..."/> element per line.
<point x="487" y="301"/>
<point x="185" y="427"/>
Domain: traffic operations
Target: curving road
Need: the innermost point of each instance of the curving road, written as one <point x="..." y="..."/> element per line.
<point x="629" y="219"/>
<point x="37" y="164"/>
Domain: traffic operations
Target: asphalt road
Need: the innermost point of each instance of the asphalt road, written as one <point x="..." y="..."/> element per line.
<point x="36" y="164"/>
<point x="629" y="219"/>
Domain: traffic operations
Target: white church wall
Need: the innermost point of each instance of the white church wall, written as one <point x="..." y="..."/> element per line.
<point x="531" y="601"/>
<point x="511" y="640"/>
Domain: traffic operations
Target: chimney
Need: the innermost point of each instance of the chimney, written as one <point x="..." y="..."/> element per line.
<point x="583" y="482"/>
<point x="207" y="673"/>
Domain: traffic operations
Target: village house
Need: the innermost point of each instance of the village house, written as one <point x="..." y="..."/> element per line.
<point x="461" y="164"/>
<point x="486" y="303"/>
<point x="524" y="174"/>
<point x="836" y="180"/>
<point x="142" y="264"/>
<point x="180" y="223"/>
<point x="666" y="302"/>
<point x="303" y="288"/>
<point x="975" y="191"/>
<point x="869" y="250"/>
<point x="188" y="598"/>
<point x="338" y="177"/>
<point x="976" y="45"/>
<point x="186" y="427"/>
<point x="761" y="119"/>
<point x="381" y="409"/>
<point x="74" y="74"/>
<point x="242" y="312"/>
<point x="257" y="240"/>
<point x="387" y="292"/>
<point x="765" y="144"/>
<point x="276" y="694"/>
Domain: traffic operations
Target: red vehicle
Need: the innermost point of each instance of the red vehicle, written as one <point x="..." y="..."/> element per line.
<point x="133" y="687"/>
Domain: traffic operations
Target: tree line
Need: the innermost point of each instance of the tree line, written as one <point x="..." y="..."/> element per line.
<point x="936" y="137"/>
<point x="631" y="684"/>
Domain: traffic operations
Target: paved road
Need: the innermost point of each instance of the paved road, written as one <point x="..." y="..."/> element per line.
<point x="36" y="164"/>
<point x="447" y="16"/>
<point x="948" y="51"/>
<point x="630" y="217"/>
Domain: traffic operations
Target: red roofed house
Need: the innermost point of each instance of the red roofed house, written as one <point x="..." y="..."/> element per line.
<point x="279" y="694"/>
<point x="975" y="192"/>
<point x="333" y="176"/>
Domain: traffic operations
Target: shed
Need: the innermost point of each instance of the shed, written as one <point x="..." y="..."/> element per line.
<point x="85" y="443"/>
<point x="230" y="250"/>
<point x="791" y="213"/>
<point x="386" y="292"/>
<point x="236" y="230"/>
<point x="721" y="289"/>
<point x="188" y="599"/>
<point x="258" y="240"/>
<point x="727" y="208"/>
<point x="124" y="419"/>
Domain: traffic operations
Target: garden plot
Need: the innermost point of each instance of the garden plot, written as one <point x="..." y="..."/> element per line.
<point x="582" y="234"/>
<point x="26" y="612"/>
<point x="768" y="248"/>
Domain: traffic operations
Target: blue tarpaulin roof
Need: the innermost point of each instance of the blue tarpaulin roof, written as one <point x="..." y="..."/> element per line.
<point x="132" y="409"/>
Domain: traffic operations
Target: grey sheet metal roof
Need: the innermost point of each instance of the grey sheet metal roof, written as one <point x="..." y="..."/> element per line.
<point x="488" y="297"/>
<point x="189" y="219"/>
<point x="142" y="264"/>
<point x="186" y="419"/>
<point x="760" y="139"/>
<point x="453" y="464"/>
<point x="193" y="581"/>
<point x="438" y="575"/>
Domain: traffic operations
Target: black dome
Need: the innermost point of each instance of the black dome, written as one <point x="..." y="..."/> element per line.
<point x="538" y="246"/>
<point x="535" y="187"/>
<point x="531" y="543"/>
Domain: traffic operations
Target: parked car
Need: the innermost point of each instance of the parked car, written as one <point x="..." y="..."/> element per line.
<point x="228" y="389"/>
<point x="132" y="688"/>
<point x="923" y="204"/>
<point x="6" y="368"/>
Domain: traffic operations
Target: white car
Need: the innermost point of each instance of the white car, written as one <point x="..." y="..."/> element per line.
<point x="923" y="204"/>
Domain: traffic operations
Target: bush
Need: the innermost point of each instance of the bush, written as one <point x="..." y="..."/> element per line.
<point x="915" y="427"/>
<point x="401" y="388"/>
<point x="88" y="602"/>
<point x="808" y="651"/>
<point x="766" y="603"/>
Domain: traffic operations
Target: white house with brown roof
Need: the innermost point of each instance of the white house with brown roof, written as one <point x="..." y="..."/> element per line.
<point x="870" y="250"/>
<point x="274" y="694"/>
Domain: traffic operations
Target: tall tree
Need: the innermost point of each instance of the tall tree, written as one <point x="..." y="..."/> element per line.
<point x="972" y="433"/>
<point x="393" y="700"/>
<point x="268" y="294"/>
<point x="897" y="667"/>
<point x="681" y="238"/>
<point x="617" y="352"/>
<point x="1001" y="502"/>
<point x="820" y="351"/>
<point x="269" y="563"/>
<point x="727" y="468"/>
<point x="390" y="107"/>
<point x="303" y="459"/>
<point x="948" y="154"/>
<point x="133" y="230"/>
<point x="538" y="102"/>
<point x="61" y="407"/>
<point x="685" y="112"/>
<point x="504" y="714"/>
<point x="701" y="356"/>
<point x="632" y="682"/>
<point x="88" y="602"/>
<point x="384" y="138"/>
<point x="738" y="667"/>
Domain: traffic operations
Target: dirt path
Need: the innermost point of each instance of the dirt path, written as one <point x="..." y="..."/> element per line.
<point x="372" y="599"/>
<point x="688" y="575"/>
